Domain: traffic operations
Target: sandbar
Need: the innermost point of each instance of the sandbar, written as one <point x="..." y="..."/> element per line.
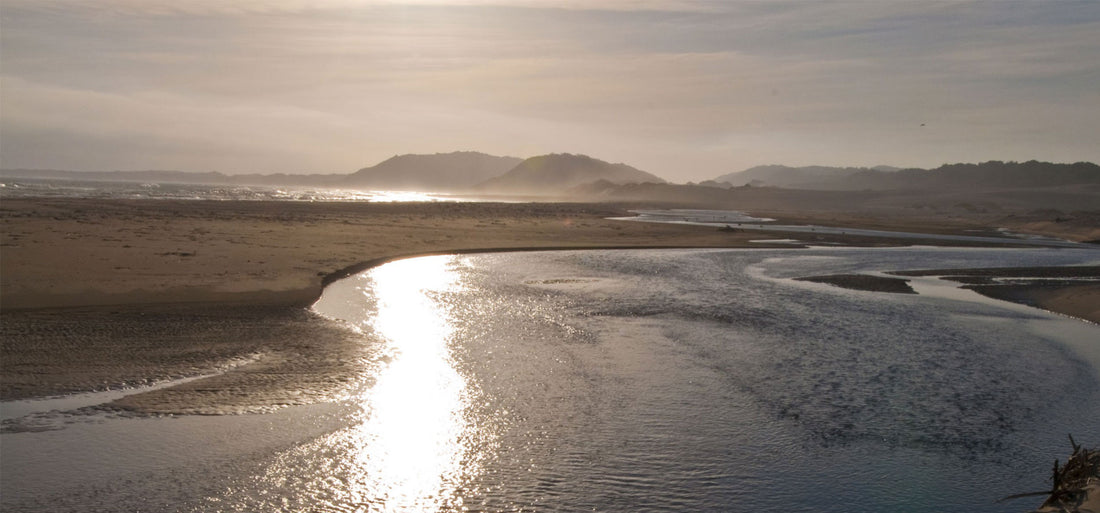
<point x="865" y="282"/>
<point x="1069" y="290"/>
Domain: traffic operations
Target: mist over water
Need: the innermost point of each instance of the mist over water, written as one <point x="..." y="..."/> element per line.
<point x="637" y="381"/>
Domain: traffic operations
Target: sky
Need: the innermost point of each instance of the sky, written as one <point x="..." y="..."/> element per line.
<point x="687" y="90"/>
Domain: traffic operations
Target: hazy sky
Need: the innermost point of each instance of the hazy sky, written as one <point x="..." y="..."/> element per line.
<point x="687" y="90"/>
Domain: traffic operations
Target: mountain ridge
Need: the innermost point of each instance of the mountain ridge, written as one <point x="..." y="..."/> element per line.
<point x="780" y="175"/>
<point x="985" y="175"/>
<point x="555" y="173"/>
<point x="462" y="171"/>
<point x="454" y="171"/>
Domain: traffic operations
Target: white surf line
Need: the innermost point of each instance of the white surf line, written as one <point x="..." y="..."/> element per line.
<point x="23" y="407"/>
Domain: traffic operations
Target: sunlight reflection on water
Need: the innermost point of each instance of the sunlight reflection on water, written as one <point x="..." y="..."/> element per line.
<point x="650" y="380"/>
<point x="412" y="450"/>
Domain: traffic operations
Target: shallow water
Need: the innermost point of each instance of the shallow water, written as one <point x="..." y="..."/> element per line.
<point x="742" y="221"/>
<point x="627" y="381"/>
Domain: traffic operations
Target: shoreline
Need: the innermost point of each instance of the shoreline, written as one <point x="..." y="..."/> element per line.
<point x="1072" y="291"/>
<point x="98" y="294"/>
<point x="1075" y="294"/>
<point x="77" y="253"/>
<point x="131" y="291"/>
<point x="83" y="252"/>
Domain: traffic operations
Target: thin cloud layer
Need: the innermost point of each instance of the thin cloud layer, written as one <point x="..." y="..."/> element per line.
<point x="686" y="90"/>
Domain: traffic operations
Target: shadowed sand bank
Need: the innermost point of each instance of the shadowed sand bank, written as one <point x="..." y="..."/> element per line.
<point x="99" y="294"/>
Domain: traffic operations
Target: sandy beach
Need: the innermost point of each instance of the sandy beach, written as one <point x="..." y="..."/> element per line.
<point x="59" y="253"/>
<point x="99" y="294"/>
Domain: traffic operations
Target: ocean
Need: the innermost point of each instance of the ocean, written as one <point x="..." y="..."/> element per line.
<point x="12" y="187"/>
<point x="640" y="380"/>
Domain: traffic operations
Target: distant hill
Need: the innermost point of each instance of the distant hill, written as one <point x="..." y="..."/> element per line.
<point x="1057" y="203"/>
<point x="457" y="171"/>
<point x="807" y="177"/>
<point x="555" y="173"/>
<point x="984" y="176"/>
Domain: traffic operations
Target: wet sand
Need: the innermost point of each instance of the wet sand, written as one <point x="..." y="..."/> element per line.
<point x="864" y="282"/>
<point x="1072" y="291"/>
<point x="99" y="294"/>
<point x="293" y="356"/>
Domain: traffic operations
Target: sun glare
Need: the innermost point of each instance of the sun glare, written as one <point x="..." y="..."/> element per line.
<point x="410" y="447"/>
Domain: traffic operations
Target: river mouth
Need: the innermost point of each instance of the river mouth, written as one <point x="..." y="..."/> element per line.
<point x="656" y="380"/>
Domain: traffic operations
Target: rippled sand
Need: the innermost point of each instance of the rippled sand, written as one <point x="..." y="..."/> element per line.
<point x="289" y="355"/>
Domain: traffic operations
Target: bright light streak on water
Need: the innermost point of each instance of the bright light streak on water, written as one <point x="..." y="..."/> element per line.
<point x="409" y="450"/>
<point x="411" y="438"/>
<point x="625" y="381"/>
<point x="50" y="188"/>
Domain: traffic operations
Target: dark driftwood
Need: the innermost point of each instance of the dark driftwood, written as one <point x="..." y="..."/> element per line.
<point x="1069" y="482"/>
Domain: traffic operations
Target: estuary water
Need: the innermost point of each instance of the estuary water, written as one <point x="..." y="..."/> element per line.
<point x="649" y="380"/>
<point x="737" y="220"/>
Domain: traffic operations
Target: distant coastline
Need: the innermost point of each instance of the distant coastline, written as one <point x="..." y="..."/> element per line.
<point x="558" y="174"/>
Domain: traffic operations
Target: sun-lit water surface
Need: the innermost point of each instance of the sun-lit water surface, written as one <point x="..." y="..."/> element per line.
<point x="11" y="188"/>
<point x="410" y="451"/>
<point x="625" y="381"/>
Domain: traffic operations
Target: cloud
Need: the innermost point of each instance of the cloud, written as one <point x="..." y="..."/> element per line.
<point x="684" y="89"/>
